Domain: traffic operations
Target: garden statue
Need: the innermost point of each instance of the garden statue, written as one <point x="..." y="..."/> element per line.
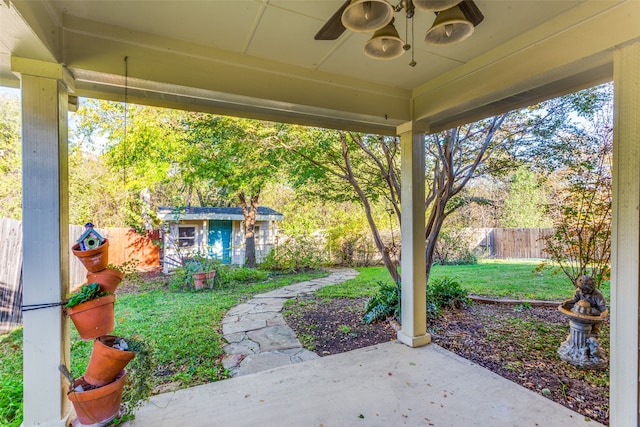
<point x="586" y="311"/>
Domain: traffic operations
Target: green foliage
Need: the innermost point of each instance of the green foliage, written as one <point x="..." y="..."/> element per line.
<point x="86" y="293"/>
<point x="525" y="203"/>
<point x="243" y="275"/>
<point x="383" y="304"/>
<point x="182" y="277"/>
<point x="11" y="379"/>
<point x="454" y="248"/>
<point x="445" y="293"/>
<point x="581" y="241"/>
<point x="10" y="164"/>
<point x="294" y="255"/>
<point x="139" y="385"/>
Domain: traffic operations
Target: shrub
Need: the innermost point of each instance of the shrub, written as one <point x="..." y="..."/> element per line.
<point x="226" y="275"/>
<point x="443" y="293"/>
<point x="383" y="304"/>
<point x="454" y="248"/>
<point x="294" y="255"/>
<point x="357" y="250"/>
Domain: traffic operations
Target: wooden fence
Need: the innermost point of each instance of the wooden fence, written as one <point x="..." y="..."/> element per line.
<point x="518" y="242"/>
<point x="124" y="245"/>
<point x="10" y="274"/>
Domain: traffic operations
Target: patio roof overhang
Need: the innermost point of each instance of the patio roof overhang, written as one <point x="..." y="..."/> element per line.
<point x="257" y="58"/>
<point x="511" y="60"/>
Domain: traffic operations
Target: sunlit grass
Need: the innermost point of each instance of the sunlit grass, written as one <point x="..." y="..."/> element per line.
<point x="509" y="279"/>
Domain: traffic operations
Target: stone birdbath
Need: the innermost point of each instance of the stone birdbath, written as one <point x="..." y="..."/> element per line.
<point x="581" y="348"/>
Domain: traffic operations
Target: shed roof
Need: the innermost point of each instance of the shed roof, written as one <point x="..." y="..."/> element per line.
<point x="169" y="213"/>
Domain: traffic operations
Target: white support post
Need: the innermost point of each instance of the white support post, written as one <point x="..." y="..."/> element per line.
<point x="45" y="270"/>
<point x="625" y="247"/>
<point x="413" y="274"/>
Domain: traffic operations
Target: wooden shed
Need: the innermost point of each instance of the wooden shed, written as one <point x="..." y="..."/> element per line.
<point x="216" y="232"/>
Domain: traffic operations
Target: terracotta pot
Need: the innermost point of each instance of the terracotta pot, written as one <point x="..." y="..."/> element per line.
<point x="93" y="259"/>
<point x="109" y="279"/>
<point x="100" y="405"/>
<point x="93" y="318"/>
<point x="106" y="362"/>
<point x="199" y="280"/>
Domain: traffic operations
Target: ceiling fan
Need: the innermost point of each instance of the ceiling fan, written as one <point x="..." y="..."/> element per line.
<point x="455" y="21"/>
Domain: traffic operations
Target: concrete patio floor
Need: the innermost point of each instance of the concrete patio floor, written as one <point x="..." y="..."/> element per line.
<point x="383" y="385"/>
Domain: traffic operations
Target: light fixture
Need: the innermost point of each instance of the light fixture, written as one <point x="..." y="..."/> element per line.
<point x="449" y="27"/>
<point x="455" y="21"/>
<point x="367" y="15"/>
<point x="435" y="5"/>
<point x="385" y="43"/>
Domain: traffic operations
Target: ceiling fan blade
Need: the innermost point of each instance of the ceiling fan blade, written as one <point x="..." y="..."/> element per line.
<point x="471" y="12"/>
<point x="333" y="28"/>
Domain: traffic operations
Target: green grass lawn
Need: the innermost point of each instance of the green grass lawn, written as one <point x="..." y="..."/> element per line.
<point x="509" y="279"/>
<point x="184" y="327"/>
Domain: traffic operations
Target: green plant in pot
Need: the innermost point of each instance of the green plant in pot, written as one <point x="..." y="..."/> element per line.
<point x="91" y="311"/>
<point x="200" y="271"/>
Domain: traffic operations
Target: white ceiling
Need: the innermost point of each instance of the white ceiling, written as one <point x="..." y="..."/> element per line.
<point x="283" y="31"/>
<point x="259" y="57"/>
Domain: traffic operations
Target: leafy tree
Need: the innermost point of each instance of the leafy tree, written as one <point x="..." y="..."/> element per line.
<point x="239" y="156"/>
<point x="129" y="156"/>
<point x="10" y="162"/>
<point x="581" y="208"/>
<point x="525" y="202"/>
<point x="353" y="166"/>
<point x="350" y="166"/>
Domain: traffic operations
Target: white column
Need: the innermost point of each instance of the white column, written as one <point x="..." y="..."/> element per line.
<point x="45" y="228"/>
<point x="625" y="248"/>
<point x="413" y="273"/>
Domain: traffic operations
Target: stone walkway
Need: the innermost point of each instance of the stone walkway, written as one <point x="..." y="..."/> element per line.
<point x="258" y="336"/>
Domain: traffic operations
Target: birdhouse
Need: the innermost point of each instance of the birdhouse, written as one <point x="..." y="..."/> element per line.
<point x="90" y="239"/>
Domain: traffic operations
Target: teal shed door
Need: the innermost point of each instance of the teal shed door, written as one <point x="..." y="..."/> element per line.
<point x="219" y="240"/>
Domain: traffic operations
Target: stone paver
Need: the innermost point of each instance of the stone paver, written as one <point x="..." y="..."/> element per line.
<point x="259" y="337"/>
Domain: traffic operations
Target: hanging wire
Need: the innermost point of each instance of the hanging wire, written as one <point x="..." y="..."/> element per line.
<point x="31" y="307"/>
<point x="126" y="109"/>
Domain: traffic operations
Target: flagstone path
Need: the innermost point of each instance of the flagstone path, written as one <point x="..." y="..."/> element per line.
<point x="258" y="336"/>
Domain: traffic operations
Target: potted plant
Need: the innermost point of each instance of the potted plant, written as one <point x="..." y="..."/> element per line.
<point x="200" y="271"/>
<point x="95" y="405"/>
<point x="109" y="356"/>
<point x="91" y="310"/>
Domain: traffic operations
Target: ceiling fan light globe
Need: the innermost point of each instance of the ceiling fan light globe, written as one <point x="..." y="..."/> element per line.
<point x="435" y="5"/>
<point x="385" y="44"/>
<point x="450" y="27"/>
<point x="363" y="16"/>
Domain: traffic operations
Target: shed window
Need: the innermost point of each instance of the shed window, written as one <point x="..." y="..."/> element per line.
<point x="186" y="237"/>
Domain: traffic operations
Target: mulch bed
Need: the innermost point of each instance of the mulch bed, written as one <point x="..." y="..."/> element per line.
<point x="516" y="342"/>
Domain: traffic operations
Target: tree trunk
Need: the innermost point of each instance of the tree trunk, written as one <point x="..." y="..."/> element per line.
<point x="249" y="228"/>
